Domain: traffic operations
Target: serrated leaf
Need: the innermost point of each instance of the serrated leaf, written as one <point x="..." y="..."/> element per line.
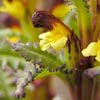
<point x="45" y="73"/>
<point x="5" y="86"/>
<point x="8" y="57"/>
<point x="35" y="55"/>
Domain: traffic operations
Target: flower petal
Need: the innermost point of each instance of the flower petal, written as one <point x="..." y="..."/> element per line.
<point x="98" y="56"/>
<point x="60" y="43"/>
<point x="44" y="45"/>
<point x="91" y="50"/>
<point x="44" y="35"/>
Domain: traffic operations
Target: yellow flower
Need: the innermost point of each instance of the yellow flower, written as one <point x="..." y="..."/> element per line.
<point x="62" y="10"/>
<point x="93" y="49"/>
<point x="14" y="8"/>
<point x="56" y="38"/>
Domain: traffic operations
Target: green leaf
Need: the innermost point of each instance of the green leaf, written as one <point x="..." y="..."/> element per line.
<point x="84" y="20"/>
<point x="71" y="22"/>
<point x="45" y="73"/>
<point x="5" y="86"/>
<point x="8" y="57"/>
<point x="8" y="33"/>
<point x="82" y="11"/>
<point x="36" y="55"/>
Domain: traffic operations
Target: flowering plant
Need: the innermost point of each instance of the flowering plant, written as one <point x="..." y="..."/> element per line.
<point x="66" y="44"/>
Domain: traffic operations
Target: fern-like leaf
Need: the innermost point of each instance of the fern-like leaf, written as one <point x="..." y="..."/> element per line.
<point x="8" y="57"/>
<point x="35" y="55"/>
<point x="6" y="86"/>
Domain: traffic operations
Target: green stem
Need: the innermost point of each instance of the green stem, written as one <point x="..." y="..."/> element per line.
<point x="25" y="29"/>
<point x="83" y="30"/>
<point x="29" y="31"/>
